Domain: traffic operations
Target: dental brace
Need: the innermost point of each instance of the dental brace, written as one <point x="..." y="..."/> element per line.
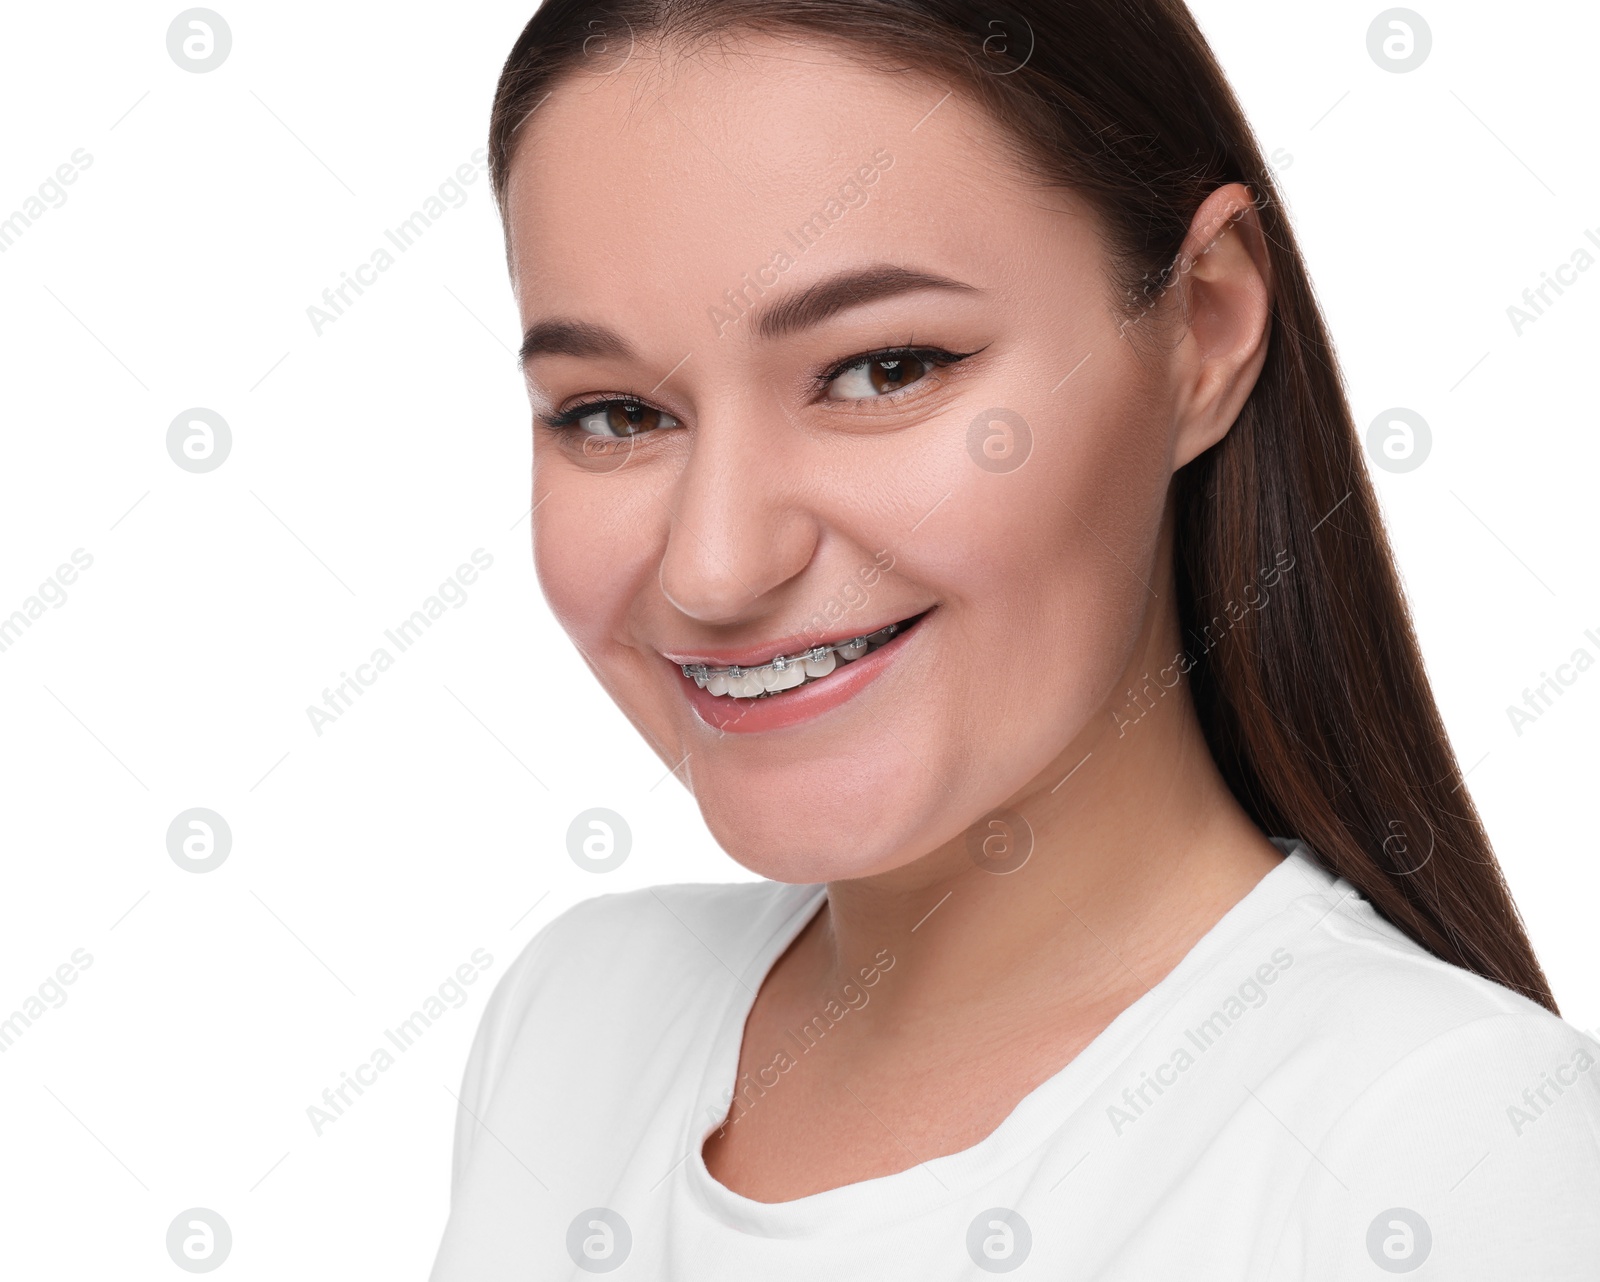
<point x="701" y="672"/>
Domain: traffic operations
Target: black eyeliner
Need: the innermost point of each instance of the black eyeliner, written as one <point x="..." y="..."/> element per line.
<point x="569" y="418"/>
<point x="937" y="356"/>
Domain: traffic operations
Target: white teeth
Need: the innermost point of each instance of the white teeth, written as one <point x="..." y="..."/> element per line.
<point x="820" y="667"/>
<point x="789" y="678"/>
<point x="786" y="671"/>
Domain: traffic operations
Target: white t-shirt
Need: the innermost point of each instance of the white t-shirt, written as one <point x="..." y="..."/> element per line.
<point x="1308" y="1095"/>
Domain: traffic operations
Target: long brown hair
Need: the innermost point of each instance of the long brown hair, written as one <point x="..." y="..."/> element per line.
<point x="1317" y="709"/>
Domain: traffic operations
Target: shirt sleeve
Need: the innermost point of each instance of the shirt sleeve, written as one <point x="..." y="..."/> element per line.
<point x="503" y="1016"/>
<point x="1477" y="1155"/>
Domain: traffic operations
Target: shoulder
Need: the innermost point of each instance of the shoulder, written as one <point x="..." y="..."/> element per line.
<point x="639" y="956"/>
<point x="1362" y="968"/>
<point x="614" y="982"/>
<point x="1438" y="1044"/>
<point x="653" y="948"/>
<point x="1416" y="1086"/>
<point x="1478" y="1150"/>
<point x="1378" y="1009"/>
<point x="658" y="934"/>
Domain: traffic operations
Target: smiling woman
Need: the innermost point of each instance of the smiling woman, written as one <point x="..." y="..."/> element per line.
<point x="1238" y="969"/>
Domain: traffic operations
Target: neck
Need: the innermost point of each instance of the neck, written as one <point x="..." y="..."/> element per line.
<point x="1137" y="849"/>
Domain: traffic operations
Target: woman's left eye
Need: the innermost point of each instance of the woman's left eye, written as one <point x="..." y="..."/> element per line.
<point x="879" y="375"/>
<point x="615" y="418"/>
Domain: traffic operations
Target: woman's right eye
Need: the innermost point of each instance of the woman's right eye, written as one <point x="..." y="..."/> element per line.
<point x="614" y="418"/>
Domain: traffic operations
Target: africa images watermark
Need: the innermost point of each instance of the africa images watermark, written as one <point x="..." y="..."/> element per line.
<point x="450" y="194"/>
<point x="452" y="593"/>
<point x="1153" y="688"/>
<point x="1540" y="1097"/>
<point x="52" y="593"/>
<point x="1169" y="277"/>
<point x="736" y="1103"/>
<point x="824" y="624"/>
<point x="51" y="995"/>
<point x="1250" y="994"/>
<point x="849" y="596"/>
<point x="850" y="194"/>
<point x="50" y="194"/>
<point x="450" y="995"/>
<point x="1541" y="698"/>
<point x="1537" y="299"/>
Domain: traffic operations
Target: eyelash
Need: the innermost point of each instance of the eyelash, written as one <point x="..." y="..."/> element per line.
<point x="937" y="357"/>
<point x="569" y="418"/>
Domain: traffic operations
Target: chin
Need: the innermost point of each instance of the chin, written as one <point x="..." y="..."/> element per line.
<point x="835" y="817"/>
<point x="806" y="838"/>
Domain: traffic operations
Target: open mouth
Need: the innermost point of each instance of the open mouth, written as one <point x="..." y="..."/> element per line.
<point x="786" y="672"/>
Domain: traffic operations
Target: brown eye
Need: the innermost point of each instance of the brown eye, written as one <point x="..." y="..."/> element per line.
<point x="879" y="375"/>
<point x="616" y="418"/>
<point x="626" y="418"/>
<point x="892" y="373"/>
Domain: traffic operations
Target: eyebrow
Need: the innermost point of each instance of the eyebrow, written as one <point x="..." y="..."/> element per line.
<point x="811" y="306"/>
<point x="827" y="298"/>
<point x="572" y="338"/>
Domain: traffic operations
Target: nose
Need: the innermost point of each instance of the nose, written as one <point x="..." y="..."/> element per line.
<point x="739" y="526"/>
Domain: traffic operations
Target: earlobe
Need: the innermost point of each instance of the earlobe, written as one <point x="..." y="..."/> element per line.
<point x="1225" y="293"/>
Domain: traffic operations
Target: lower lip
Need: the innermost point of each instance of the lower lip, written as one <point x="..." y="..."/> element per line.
<point x="803" y="703"/>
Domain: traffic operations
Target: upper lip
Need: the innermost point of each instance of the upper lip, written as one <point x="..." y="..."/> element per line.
<point x="763" y="652"/>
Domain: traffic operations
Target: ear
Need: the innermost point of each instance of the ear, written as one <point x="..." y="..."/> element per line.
<point x="1224" y="293"/>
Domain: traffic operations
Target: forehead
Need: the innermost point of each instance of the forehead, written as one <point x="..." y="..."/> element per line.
<point x="680" y="172"/>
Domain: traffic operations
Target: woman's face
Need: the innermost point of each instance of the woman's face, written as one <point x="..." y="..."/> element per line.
<point x="863" y="374"/>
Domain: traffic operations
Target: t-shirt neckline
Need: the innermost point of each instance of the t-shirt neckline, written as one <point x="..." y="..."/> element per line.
<point x="929" y="1185"/>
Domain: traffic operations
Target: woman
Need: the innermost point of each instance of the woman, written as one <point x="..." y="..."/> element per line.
<point x="941" y="460"/>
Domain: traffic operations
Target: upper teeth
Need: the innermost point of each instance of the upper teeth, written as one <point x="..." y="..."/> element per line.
<point x="786" y="670"/>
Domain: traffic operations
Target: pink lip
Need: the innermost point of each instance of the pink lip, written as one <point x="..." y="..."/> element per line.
<point x="751" y="656"/>
<point x="793" y="707"/>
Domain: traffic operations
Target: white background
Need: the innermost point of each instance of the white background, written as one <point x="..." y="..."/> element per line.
<point x="370" y="460"/>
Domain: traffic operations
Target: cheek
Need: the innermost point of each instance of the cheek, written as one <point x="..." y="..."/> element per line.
<point x="1053" y="559"/>
<point x="1099" y="581"/>
<point x="1080" y="515"/>
<point x="1111" y="487"/>
<point x="591" y="547"/>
